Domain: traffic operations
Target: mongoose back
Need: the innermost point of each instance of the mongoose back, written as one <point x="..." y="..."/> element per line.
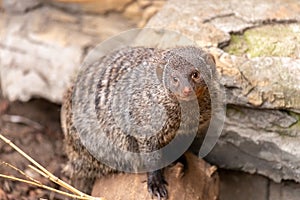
<point x="132" y="86"/>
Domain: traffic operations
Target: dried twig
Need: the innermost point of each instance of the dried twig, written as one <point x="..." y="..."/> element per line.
<point x="44" y="187"/>
<point x="22" y="120"/>
<point x="21" y="172"/>
<point x="40" y="169"/>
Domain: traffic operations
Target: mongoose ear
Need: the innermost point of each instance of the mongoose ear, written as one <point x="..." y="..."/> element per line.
<point x="210" y="59"/>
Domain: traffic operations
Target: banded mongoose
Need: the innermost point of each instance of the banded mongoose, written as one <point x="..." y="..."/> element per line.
<point x="156" y="77"/>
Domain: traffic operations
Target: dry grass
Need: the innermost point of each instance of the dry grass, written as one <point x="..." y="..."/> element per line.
<point x="74" y="193"/>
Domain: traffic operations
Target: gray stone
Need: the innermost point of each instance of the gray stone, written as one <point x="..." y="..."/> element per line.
<point x="242" y="186"/>
<point x="41" y="50"/>
<point x="261" y="132"/>
<point x="284" y="191"/>
<point x="265" y="82"/>
<point x="261" y="140"/>
<point x="257" y="141"/>
<point x="191" y="25"/>
<point x="95" y="7"/>
<point x="229" y="23"/>
<point x="20" y="6"/>
<point x="210" y="22"/>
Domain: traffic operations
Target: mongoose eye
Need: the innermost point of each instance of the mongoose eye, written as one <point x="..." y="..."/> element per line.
<point x="195" y="75"/>
<point x="175" y="80"/>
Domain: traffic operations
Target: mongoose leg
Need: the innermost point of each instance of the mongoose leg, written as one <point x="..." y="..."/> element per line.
<point x="157" y="184"/>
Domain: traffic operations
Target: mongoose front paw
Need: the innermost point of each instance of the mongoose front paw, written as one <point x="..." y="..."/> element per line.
<point x="157" y="185"/>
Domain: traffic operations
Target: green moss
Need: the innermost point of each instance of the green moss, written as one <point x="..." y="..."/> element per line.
<point x="297" y="116"/>
<point x="270" y="40"/>
<point x="295" y="128"/>
<point x="238" y="45"/>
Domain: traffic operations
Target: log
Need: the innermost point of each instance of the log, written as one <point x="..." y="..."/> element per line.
<point x="199" y="181"/>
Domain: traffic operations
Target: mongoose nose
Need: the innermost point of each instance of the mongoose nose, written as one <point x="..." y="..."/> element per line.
<point x="187" y="91"/>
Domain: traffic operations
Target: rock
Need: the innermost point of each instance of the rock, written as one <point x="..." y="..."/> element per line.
<point x="209" y="23"/>
<point x="199" y="181"/>
<point x="96" y="7"/>
<point x="261" y="133"/>
<point x="259" y="141"/>
<point x="288" y="190"/>
<point x="191" y="25"/>
<point x="147" y="14"/>
<point x="280" y="40"/>
<point x="42" y="49"/>
<point x="133" y="11"/>
<point x="266" y="82"/>
<point x="20" y="6"/>
<point x="144" y="3"/>
<point x="243" y="186"/>
<point x="139" y="11"/>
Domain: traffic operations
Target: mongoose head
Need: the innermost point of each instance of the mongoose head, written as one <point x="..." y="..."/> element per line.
<point x="184" y="79"/>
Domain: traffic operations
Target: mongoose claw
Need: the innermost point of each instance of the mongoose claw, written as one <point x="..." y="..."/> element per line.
<point x="157" y="185"/>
